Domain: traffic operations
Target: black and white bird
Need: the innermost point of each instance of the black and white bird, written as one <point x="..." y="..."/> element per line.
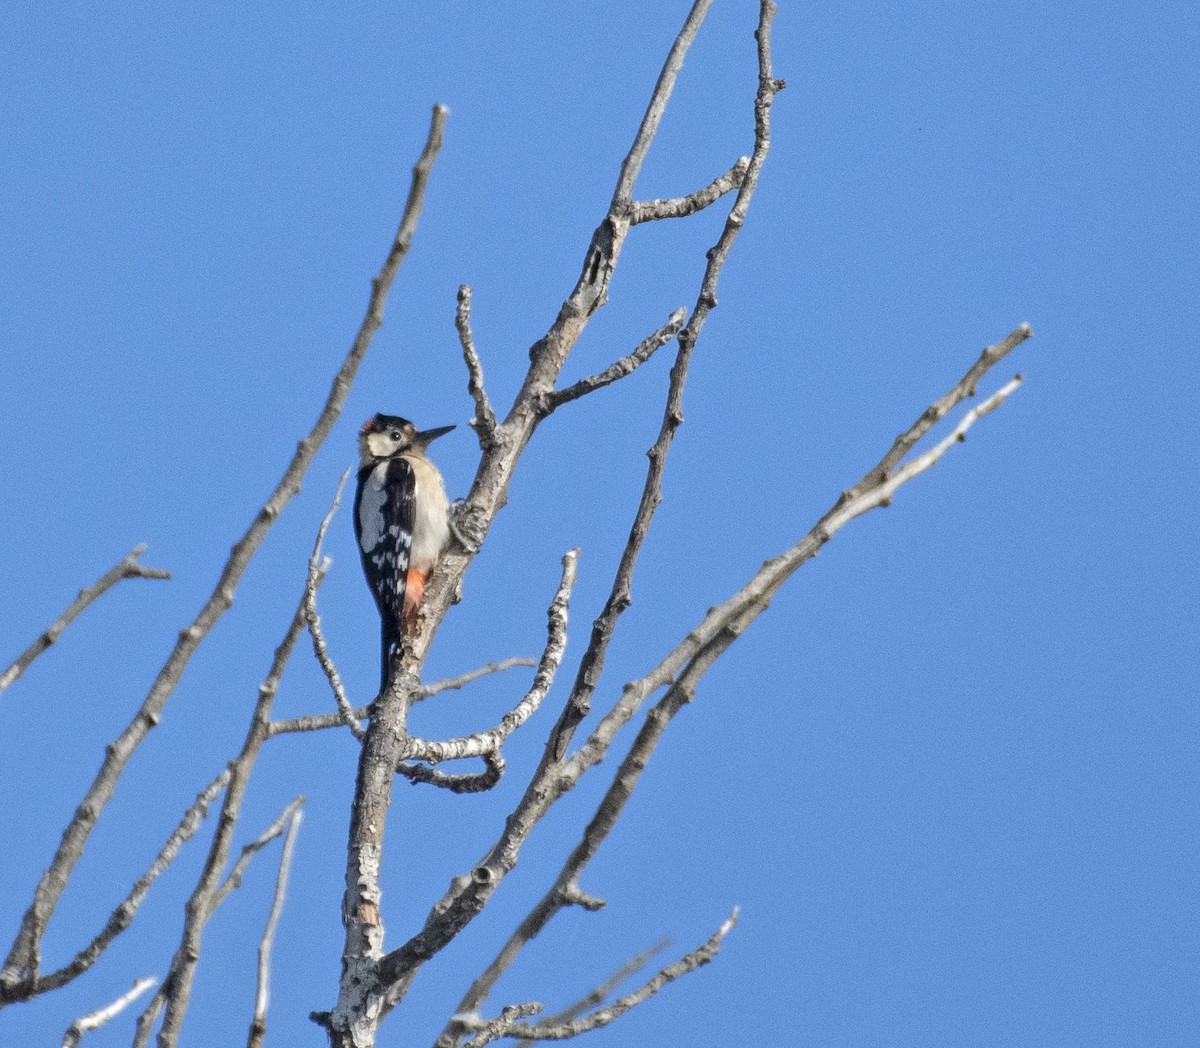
<point x="401" y="519"/>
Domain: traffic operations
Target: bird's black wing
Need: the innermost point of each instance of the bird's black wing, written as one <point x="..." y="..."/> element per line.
<point x="383" y="524"/>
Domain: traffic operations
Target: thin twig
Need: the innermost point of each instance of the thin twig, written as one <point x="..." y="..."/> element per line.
<point x="258" y="1026"/>
<point x="282" y="822"/>
<point x="151" y="1012"/>
<point x="426" y="691"/>
<point x="484" y="422"/>
<point x="681" y="207"/>
<point x="317" y="566"/>
<point x="126" y="568"/>
<point x="145" y="1021"/>
<point x="94" y="1020"/>
<point x="320" y="721"/>
<point x="698" y="957"/>
<point x="629" y="363"/>
<point x="600" y="994"/>
<point x="21" y="965"/>
<point x="965" y="387"/>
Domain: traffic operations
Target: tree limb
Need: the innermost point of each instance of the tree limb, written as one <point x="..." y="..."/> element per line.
<point x="681" y="207"/>
<point x="282" y="822"/>
<point x="482" y="743"/>
<point x="209" y="891"/>
<point x="484" y="422"/>
<point x="319" y="721"/>
<point x="477" y="783"/>
<point x="620" y="368"/>
<point x="875" y="489"/>
<point x="469" y="893"/>
<point x="122" y="917"/>
<point x="258" y="1025"/>
<point x="317" y="566"/>
<point x="94" y="1020"/>
<point x="126" y="568"/>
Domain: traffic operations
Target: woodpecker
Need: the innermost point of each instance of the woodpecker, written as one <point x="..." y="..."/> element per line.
<point x="401" y="520"/>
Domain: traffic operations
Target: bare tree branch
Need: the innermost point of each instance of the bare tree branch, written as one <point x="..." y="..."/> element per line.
<point x="726" y="620"/>
<point x="489" y="492"/>
<point x="209" y="892"/>
<point x="284" y="821"/>
<point x="965" y="387"/>
<point x="126" y="568"/>
<point x="600" y="994"/>
<point x="145" y="1021"/>
<point x="469" y="893"/>
<point x="620" y="368"/>
<point x="122" y="917"/>
<point x="565" y="891"/>
<point x="646" y="133"/>
<point x="681" y="207"/>
<point x="94" y="1020"/>
<point x="426" y="691"/>
<point x="491" y="1030"/>
<point x="23" y="960"/>
<point x="484" y="422"/>
<point x="477" y="783"/>
<point x="317" y="722"/>
<point x="699" y="957"/>
<point x="485" y="742"/>
<point x="258" y="1026"/>
<point x="317" y="566"/>
<point x="592" y="664"/>
<point x="682" y="670"/>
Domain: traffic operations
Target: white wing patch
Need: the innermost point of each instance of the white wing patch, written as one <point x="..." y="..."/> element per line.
<point x="370" y="509"/>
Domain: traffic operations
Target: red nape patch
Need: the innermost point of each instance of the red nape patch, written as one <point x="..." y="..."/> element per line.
<point x="368" y="426"/>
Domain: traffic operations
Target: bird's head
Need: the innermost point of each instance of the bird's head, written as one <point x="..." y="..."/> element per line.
<point x="385" y="436"/>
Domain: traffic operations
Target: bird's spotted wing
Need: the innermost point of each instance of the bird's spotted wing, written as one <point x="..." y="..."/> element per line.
<point x="383" y="524"/>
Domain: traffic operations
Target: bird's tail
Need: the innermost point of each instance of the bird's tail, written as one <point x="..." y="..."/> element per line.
<point x="390" y="645"/>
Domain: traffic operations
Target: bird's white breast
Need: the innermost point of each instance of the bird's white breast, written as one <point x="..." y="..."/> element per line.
<point x="431" y="519"/>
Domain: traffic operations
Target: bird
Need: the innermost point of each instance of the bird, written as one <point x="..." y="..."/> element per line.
<point x="401" y="521"/>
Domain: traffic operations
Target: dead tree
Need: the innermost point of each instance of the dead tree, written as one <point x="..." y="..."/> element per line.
<point x="377" y="974"/>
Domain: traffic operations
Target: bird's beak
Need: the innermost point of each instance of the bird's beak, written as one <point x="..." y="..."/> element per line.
<point x="426" y="437"/>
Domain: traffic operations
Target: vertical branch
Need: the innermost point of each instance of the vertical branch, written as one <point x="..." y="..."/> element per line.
<point x="258" y="1026"/>
<point x="484" y="422"/>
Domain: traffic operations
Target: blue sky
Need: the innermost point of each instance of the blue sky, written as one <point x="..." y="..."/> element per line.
<point x="949" y="777"/>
